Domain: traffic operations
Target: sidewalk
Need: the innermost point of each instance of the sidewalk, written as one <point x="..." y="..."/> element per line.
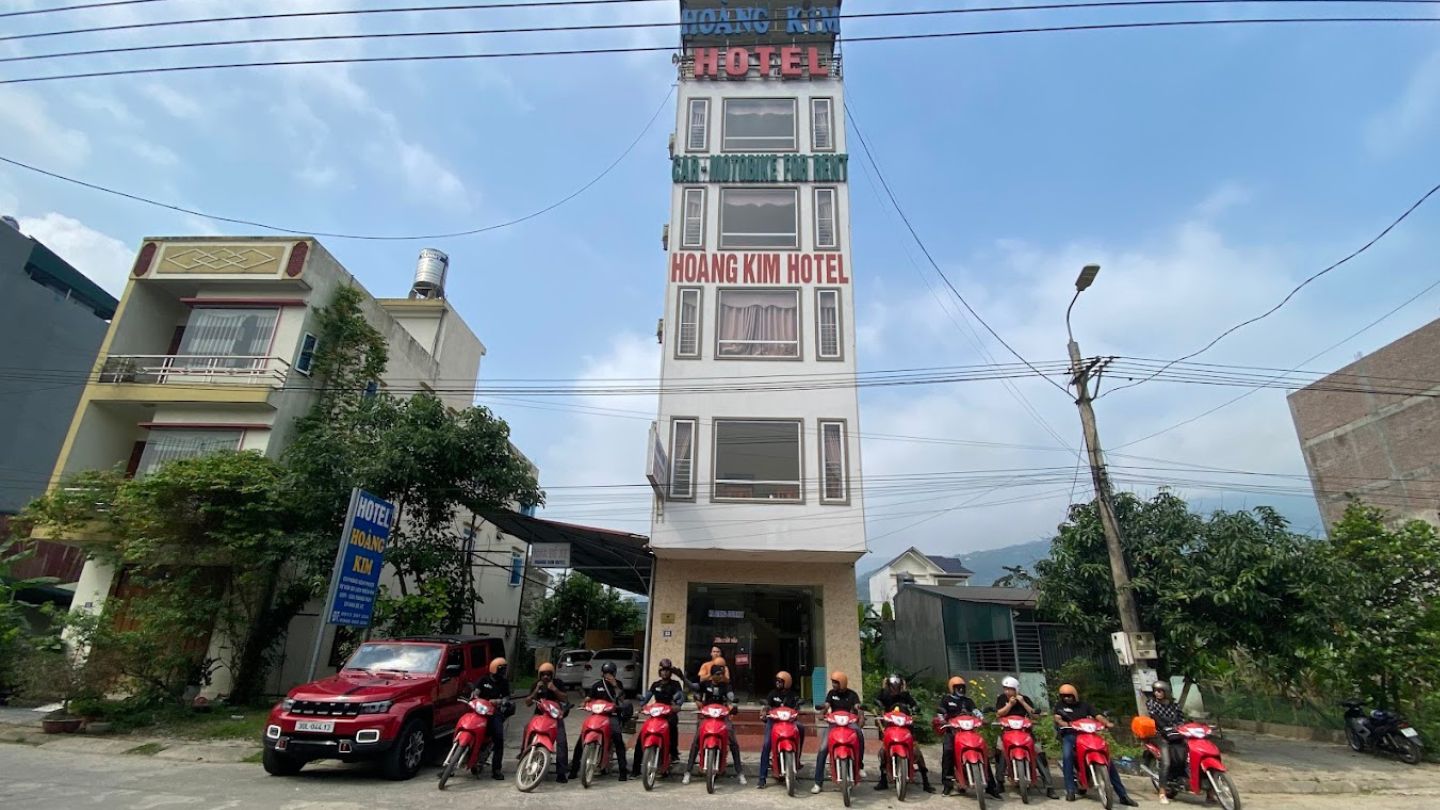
<point x="22" y="726"/>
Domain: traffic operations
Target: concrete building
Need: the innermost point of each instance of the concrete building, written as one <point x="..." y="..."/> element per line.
<point x="760" y="516"/>
<point x="54" y="320"/>
<point x="1372" y="430"/>
<point x="212" y="347"/>
<point x="914" y="567"/>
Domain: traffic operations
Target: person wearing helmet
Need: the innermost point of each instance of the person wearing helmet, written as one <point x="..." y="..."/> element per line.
<point x="954" y="703"/>
<point x="715" y="691"/>
<point x="840" y="698"/>
<point x="495" y="687"/>
<point x="545" y="689"/>
<point x="895" y="695"/>
<point x="782" y="695"/>
<point x="1070" y="709"/>
<point x="1010" y="703"/>
<point x="609" y="688"/>
<point x="670" y="691"/>
<point x="1168" y="717"/>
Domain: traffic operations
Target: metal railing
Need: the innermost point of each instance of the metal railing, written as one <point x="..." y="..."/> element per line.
<point x="194" y="369"/>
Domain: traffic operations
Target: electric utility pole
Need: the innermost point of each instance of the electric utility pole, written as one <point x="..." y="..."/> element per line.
<point x="1119" y="571"/>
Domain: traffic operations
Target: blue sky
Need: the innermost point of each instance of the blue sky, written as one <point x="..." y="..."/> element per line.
<point x="1208" y="170"/>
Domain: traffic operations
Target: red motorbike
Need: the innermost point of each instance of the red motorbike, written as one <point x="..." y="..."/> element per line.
<point x="897" y="750"/>
<point x="971" y="753"/>
<point x="785" y="744"/>
<point x="1207" y="774"/>
<point x="844" y="751"/>
<point x="1092" y="759"/>
<point x="471" y="744"/>
<point x="595" y="741"/>
<point x="1022" y="762"/>
<point x="538" y="748"/>
<point x="714" y="741"/>
<point x="655" y="743"/>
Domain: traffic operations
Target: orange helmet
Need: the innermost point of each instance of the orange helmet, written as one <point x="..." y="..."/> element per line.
<point x="954" y="682"/>
<point x="1067" y="689"/>
<point x="718" y="671"/>
<point x="1142" y="727"/>
<point x="496" y="663"/>
<point x="784" y="677"/>
<point x="547" y="667"/>
<point x="841" y="678"/>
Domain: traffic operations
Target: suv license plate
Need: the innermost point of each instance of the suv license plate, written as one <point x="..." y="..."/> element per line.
<point x="1409" y="732"/>
<point x="321" y="726"/>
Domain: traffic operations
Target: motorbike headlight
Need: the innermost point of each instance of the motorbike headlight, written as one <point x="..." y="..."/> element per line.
<point x="287" y="704"/>
<point x="376" y="707"/>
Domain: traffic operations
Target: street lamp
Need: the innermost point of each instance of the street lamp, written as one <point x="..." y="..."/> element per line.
<point x="1082" y="283"/>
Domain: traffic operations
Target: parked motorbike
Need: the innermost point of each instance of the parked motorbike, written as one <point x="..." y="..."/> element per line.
<point x="654" y="742"/>
<point x="897" y="750"/>
<point x="595" y="741"/>
<point x="1207" y="775"/>
<point x="1022" y="761"/>
<point x="714" y="741"/>
<point x="971" y="753"/>
<point x="844" y="744"/>
<point x="538" y="748"/>
<point x="785" y="745"/>
<point x="471" y="745"/>
<point x="1380" y="730"/>
<point x="1092" y="759"/>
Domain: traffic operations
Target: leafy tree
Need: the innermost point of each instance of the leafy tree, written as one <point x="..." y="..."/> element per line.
<point x="579" y="603"/>
<point x="1015" y="577"/>
<point x="872" y="638"/>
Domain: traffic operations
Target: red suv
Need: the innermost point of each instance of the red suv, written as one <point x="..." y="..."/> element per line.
<point x="389" y="701"/>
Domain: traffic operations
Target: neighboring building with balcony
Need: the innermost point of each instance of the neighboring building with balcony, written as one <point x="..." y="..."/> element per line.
<point x="914" y="567"/>
<point x="54" y="320"/>
<point x="212" y="348"/>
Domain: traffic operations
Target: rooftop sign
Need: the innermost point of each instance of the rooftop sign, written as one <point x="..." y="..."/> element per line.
<point x="758" y="19"/>
<point x="784" y="61"/>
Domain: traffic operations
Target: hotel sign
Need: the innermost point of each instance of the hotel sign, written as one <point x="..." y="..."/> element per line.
<point x="829" y="168"/>
<point x="696" y="267"/>
<point x="755" y="19"/>
<point x="782" y="61"/>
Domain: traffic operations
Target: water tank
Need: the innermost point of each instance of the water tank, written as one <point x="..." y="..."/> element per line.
<point x="11" y="221"/>
<point x="430" y="271"/>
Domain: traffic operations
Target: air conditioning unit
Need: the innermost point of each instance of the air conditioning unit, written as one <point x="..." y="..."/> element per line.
<point x="671" y="145"/>
<point x="665" y="236"/>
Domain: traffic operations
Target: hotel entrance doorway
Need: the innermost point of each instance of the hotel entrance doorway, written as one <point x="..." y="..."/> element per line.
<point x="760" y="630"/>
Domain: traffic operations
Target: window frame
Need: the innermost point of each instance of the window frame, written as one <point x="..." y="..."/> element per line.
<point x="140" y="468"/>
<point x="799" y="325"/>
<point x="211" y="306"/>
<point x="839" y="355"/>
<point x="720" y="219"/>
<point x="794" y="128"/>
<point x="680" y="322"/>
<point x="689" y="125"/>
<point x="715" y="482"/>
<point x="314" y="344"/>
<point x="830" y="113"/>
<point x="834" y="195"/>
<point x="675" y="422"/>
<point x="821" y="424"/>
<point x="684" y="216"/>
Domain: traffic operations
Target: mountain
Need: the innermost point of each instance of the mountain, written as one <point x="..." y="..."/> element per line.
<point x="989" y="565"/>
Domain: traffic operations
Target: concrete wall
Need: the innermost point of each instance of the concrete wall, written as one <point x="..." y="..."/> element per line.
<point x="918" y="643"/>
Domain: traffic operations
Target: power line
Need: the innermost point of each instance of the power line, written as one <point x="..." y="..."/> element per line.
<point x="57" y="9"/>
<point x="447" y="57"/>
<point x="365" y="237"/>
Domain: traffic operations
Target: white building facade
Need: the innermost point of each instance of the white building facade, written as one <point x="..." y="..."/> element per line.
<point x="914" y="567"/>
<point x="760" y="517"/>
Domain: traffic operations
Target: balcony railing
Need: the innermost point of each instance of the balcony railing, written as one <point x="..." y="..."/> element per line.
<point x="194" y="369"/>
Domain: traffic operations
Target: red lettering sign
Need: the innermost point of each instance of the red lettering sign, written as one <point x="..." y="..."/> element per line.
<point x="790" y="62"/>
<point x="793" y="62"/>
<point x="737" y="63"/>
<point x="707" y="62"/>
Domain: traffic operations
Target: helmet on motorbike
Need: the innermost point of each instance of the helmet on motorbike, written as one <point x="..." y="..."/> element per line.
<point x="895" y="682"/>
<point x="717" y="670"/>
<point x="547" y="668"/>
<point x="840" y="679"/>
<point x="496" y="664"/>
<point x="608" y="668"/>
<point x="784" y="677"/>
<point x="1143" y="728"/>
<point x="666" y="666"/>
<point x="1010" y="682"/>
<point x="956" y="683"/>
<point x="1066" y="690"/>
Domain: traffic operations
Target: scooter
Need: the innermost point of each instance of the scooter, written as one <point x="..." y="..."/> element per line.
<point x="538" y="748"/>
<point x="1092" y="759"/>
<point x="1207" y="775"/>
<point x="595" y="741"/>
<point x="655" y="743"/>
<point x="785" y="744"/>
<point x="844" y="751"/>
<point x="1022" y="761"/>
<point x="971" y="753"/>
<point x="714" y="741"/>
<point x="1380" y="730"/>
<point x="471" y="744"/>
<point x="897" y="747"/>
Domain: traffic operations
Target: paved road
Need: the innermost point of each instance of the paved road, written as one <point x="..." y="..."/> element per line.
<point x="35" y="779"/>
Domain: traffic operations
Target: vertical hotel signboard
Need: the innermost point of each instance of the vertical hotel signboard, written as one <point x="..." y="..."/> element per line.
<point x="355" y="582"/>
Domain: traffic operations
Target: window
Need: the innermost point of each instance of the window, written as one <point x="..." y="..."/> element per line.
<point x="682" y="459"/>
<point x="169" y="444"/>
<point x="827" y="325"/>
<point x="372" y="388"/>
<point x="758" y="323"/>
<point x="825" y="236"/>
<point x="757" y="460"/>
<point x="759" y="125"/>
<point x="696" y="138"/>
<point x="517" y="570"/>
<point x="692" y="232"/>
<point x="240" y="335"/>
<point x="454" y="657"/>
<point x="687" y="323"/>
<point x="759" y="218"/>
<point x="835" y="485"/>
<point x="306" y="360"/>
<point x="821" y="137"/>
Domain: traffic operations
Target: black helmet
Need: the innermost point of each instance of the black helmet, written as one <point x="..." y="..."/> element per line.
<point x="607" y="668"/>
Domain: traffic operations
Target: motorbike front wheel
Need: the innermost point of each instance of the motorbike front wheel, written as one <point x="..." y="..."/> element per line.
<point x="787" y="766"/>
<point x="1022" y="779"/>
<point x="900" y="775"/>
<point x="847" y="780"/>
<point x="712" y="768"/>
<point x="975" y="773"/>
<point x="532" y="768"/>
<point x="1353" y="738"/>
<point x="452" y="761"/>
<point x="650" y="767"/>
<point x="590" y="765"/>
<point x="1100" y="782"/>
<point x="1223" y="790"/>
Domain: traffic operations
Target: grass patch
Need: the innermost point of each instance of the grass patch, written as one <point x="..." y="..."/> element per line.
<point x="219" y="723"/>
<point x="147" y="750"/>
<point x="255" y="758"/>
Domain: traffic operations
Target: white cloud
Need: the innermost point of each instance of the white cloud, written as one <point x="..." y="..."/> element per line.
<point x="173" y="101"/>
<point x="105" y="259"/>
<point x="111" y="106"/>
<point x="1222" y="199"/>
<point x="31" y="130"/>
<point x="1409" y="116"/>
<point x="153" y="152"/>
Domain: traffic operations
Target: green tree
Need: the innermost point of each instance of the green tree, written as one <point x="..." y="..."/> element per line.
<point x="1015" y="577"/>
<point x="579" y="603"/>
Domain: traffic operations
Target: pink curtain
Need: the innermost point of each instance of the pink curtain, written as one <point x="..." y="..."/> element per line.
<point x="759" y="325"/>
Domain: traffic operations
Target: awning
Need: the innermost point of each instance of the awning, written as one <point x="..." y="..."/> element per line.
<point x="618" y="559"/>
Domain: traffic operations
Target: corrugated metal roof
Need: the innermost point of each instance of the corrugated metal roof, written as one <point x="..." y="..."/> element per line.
<point x="1017" y="597"/>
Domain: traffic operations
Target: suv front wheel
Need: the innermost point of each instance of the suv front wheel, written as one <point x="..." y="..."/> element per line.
<point x="280" y="764"/>
<point x="403" y="759"/>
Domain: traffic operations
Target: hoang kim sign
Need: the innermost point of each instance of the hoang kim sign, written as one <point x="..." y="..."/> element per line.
<point x="795" y="18"/>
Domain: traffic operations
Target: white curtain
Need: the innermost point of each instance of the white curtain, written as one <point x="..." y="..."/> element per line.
<point x="166" y="445"/>
<point x="682" y="461"/>
<point x="834" y="463"/>
<point x="229" y="333"/>
<point x="759" y="324"/>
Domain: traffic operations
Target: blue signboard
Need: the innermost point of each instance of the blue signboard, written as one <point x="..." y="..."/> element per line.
<point x="362" y="554"/>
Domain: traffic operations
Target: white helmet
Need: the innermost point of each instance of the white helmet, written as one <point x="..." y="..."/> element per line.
<point x="1010" y="682"/>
